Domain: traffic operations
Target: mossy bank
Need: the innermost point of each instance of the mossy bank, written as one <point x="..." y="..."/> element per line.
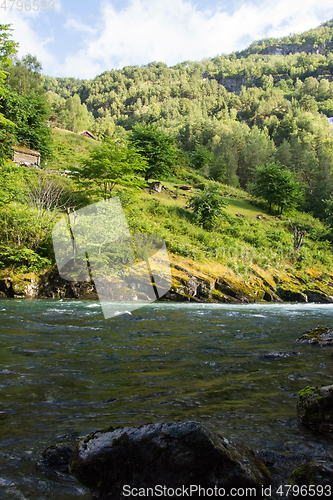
<point x="191" y="281"/>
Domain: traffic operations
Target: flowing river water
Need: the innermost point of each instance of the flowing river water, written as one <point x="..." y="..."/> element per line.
<point x="65" y="371"/>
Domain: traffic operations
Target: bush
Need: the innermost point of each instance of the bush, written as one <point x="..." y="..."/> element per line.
<point x="208" y="207"/>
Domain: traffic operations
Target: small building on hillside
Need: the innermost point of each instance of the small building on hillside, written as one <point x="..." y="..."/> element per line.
<point x="86" y="133"/>
<point x="26" y="156"/>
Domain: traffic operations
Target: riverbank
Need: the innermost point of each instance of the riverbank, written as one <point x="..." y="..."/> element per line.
<point x="208" y="282"/>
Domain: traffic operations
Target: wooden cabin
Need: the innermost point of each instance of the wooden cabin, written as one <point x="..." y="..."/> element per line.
<point x="25" y="156"/>
<point x="86" y="133"/>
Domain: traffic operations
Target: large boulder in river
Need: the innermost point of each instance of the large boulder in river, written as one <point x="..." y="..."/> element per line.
<point x="174" y="455"/>
<point x="315" y="408"/>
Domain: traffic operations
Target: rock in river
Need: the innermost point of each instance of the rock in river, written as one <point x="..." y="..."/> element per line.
<point x="56" y="458"/>
<point x="316" y="473"/>
<point x="320" y="336"/>
<point x="168" y="454"/>
<point x="315" y="408"/>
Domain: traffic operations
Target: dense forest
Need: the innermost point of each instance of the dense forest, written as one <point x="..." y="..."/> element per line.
<point x="227" y="121"/>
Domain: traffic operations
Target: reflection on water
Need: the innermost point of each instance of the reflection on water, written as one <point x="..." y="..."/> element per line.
<point x="65" y="371"/>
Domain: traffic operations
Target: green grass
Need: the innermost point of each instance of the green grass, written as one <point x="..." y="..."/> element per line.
<point x="244" y="208"/>
<point x="69" y="149"/>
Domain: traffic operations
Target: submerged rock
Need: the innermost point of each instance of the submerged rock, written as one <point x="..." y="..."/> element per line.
<point x="278" y="355"/>
<point x="315" y="408"/>
<point x="321" y="336"/>
<point x="56" y="458"/>
<point x="174" y="455"/>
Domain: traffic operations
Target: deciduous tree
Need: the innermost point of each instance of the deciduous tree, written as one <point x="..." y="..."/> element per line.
<point x="277" y="186"/>
<point x="157" y="148"/>
<point x="112" y="164"/>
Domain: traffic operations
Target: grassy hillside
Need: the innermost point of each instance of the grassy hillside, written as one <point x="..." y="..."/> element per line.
<point x="247" y="236"/>
<point x="69" y="149"/>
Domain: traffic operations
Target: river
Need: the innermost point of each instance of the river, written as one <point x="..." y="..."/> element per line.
<point x="66" y="371"/>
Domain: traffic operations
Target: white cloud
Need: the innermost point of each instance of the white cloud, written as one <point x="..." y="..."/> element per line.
<point x="175" y="30"/>
<point x="77" y="65"/>
<point x="25" y="33"/>
<point x="78" y="25"/>
<point x="165" y="30"/>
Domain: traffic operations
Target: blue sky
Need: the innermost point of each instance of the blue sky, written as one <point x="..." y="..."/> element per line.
<point x="84" y="38"/>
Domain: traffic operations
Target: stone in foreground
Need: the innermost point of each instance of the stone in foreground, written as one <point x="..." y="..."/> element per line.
<point x="316" y="473"/>
<point x="167" y="454"/>
<point x="315" y="408"/>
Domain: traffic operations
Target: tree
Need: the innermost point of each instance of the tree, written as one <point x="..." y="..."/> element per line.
<point x="157" y="148"/>
<point x="25" y="75"/>
<point x="8" y="49"/>
<point x="258" y="149"/>
<point x="298" y="237"/>
<point x="111" y="164"/>
<point x="208" y="206"/>
<point x="7" y="127"/>
<point x="7" y="137"/>
<point x="45" y="195"/>
<point x="75" y="115"/>
<point x="22" y="117"/>
<point x="200" y="157"/>
<point x="29" y="112"/>
<point x="277" y="186"/>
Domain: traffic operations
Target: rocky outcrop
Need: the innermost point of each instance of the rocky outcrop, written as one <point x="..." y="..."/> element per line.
<point x="292" y="296"/>
<point x="6" y="288"/>
<point x="214" y="282"/>
<point x="318" y="297"/>
<point x="51" y="285"/>
<point x="235" y="84"/>
<point x="295" y="48"/>
<point x="174" y="455"/>
<point x="191" y="282"/>
<point x="19" y="285"/>
<point x="320" y="336"/>
<point x="315" y="408"/>
<point x="155" y="186"/>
